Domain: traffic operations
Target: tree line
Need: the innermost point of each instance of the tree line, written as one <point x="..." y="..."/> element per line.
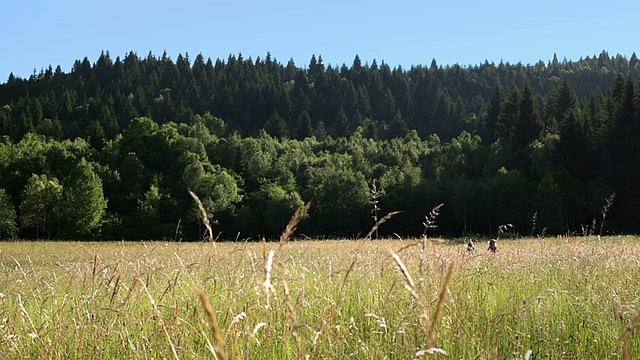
<point x="109" y="150"/>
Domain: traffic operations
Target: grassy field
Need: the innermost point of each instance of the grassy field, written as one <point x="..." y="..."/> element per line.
<point x="566" y="298"/>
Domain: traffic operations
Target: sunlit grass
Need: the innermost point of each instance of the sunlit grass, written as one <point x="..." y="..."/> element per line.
<point x="560" y="298"/>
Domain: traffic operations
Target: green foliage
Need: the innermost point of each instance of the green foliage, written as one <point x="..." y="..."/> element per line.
<point x="41" y="206"/>
<point x="507" y="195"/>
<point x="255" y="138"/>
<point x="148" y="220"/>
<point x="547" y="202"/>
<point x="218" y="190"/>
<point x="83" y="203"/>
<point x="280" y="206"/>
<point x="8" y="225"/>
<point x="341" y="199"/>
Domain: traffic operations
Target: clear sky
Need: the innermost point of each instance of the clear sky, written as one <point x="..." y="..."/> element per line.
<point x="37" y="33"/>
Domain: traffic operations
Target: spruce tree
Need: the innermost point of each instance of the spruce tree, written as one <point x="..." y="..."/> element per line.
<point x="561" y="101"/>
<point x="528" y="126"/>
<point x="492" y="117"/>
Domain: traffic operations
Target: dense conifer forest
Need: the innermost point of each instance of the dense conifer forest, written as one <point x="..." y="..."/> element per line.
<point x="108" y="150"/>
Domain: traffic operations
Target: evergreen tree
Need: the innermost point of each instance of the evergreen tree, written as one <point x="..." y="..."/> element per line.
<point x="622" y="142"/>
<point x="492" y="116"/>
<point x="397" y="126"/>
<point x="276" y="126"/>
<point x="573" y="150"/>
<point x="238" y="114"/>
<point x="633" y="60"/>
<point x="321" y="131"/>
<point x="304" y="127"/>
<point x="528" y="125"/>
<point x="341" y="126"/>
<point x="562" y="101"/>
<point x="390" y="108"/>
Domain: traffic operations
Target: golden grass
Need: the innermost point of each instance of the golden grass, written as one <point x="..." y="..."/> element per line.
<point x="560" y="298"/>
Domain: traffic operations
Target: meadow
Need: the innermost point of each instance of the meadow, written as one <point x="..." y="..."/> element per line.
<point x="536" y="298"/>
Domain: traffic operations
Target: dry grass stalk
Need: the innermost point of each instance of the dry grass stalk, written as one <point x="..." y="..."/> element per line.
<point x="429" y="223"/>
<point x="267" y="269"/>
<point x="268" y="286"/>
<point x="423" y="255"/>
<point x="25" y="313"/>
<point x="504" y="228"/>
<point x="410" y="284"/>
<point x="494" y="353"/>
<point x="116" y="290"/>
<point x="368" y="236"/>
<point x="95" y="268"/>
<point x="291" y="314"/>
<point x="130" y="293"/>
<point x="346" y="275"/>
<point x="443" y="291"/>
<point x="606" y="208"/>
<point x="293" y="223"/>
<point x="430" y="219"/>
<point x="177" y="230"/>
<point x="626" y="335"/>
<point x="203" y="212"/>
<point x="219" y="344"/>
<point x="380" y="222"/>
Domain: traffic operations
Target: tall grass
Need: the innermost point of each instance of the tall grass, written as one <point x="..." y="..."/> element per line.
<point x="560" y="298"/>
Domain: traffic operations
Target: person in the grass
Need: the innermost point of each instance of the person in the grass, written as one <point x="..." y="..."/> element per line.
<point x="492" y="246"/>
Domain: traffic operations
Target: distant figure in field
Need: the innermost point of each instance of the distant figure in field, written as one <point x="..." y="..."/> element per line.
<point x="471" y="249"/>
<point x="492" y="246"/>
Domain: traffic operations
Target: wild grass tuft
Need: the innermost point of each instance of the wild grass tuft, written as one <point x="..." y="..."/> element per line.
<point x="203" y="213"/>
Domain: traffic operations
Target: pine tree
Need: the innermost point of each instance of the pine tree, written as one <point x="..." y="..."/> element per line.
<point x="276" y="126"/>
<point x="622" y="142"/>
<point x="492" y="116"/>
<point x="341" y="124"/>
<point x="389" y="109"/>
<point x="633" y="60"/>
<point x="304" y="127"/>
<point x="397" y="126"/>
<point x="313" y="67"/>
<point x="528" y="125"/>
<point x="560" y="103"/>
<point x="356" y="67"/>
<point x="505" y="127"/>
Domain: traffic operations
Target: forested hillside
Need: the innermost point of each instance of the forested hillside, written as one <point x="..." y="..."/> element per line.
<point x="109" y="150"/>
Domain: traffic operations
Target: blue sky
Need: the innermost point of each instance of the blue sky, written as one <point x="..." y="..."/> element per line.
<point x="37" y="33"/>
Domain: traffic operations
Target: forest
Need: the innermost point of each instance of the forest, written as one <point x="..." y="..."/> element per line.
<point x="109" y="150"/>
